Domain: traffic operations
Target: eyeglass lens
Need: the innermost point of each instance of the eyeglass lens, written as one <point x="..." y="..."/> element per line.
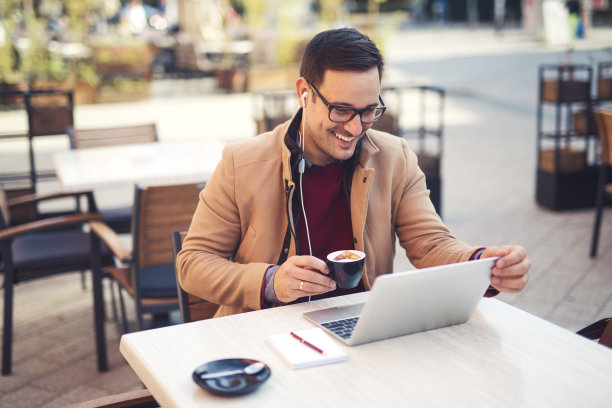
<point x="342" y="115"/>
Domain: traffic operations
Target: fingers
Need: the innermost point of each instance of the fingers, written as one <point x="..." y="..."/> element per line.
<point x="512" y="279"/>
<point x="511" y="271"/>
<point x="302" y="276"/>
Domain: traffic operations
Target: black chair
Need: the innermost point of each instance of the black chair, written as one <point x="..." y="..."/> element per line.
<point x="600" y="330"/>
<point x="604" y="187"/>
<point x="45" y="247"/>
<point x="117" y="218"/>
<point x="147" y="273"/>
<point x="192" y="307"/>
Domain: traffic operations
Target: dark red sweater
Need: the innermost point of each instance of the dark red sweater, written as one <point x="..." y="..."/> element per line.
<point x="328" y="216"/>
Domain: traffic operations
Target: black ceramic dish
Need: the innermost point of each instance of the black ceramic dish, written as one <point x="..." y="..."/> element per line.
<point x="232" y="384"/>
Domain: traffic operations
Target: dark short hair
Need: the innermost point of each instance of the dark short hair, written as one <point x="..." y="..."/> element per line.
<point x="342" y="49"/>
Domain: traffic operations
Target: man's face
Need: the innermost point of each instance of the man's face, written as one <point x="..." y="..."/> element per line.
<point x="326" y="141"/>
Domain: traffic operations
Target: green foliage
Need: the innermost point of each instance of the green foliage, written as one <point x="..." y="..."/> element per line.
<point x="253" y="12"/>
<point x="79" y="13"/>
<point x="9" y="71"/>
<point x="85" y="71"/>
<point x="37" y="62"/>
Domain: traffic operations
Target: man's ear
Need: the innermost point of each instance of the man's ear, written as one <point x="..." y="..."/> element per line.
<point x="303" y="90"/>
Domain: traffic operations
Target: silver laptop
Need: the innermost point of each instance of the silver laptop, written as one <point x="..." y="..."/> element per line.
<point x="409" y="302"/>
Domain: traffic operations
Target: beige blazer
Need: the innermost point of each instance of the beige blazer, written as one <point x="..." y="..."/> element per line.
<point x="238" y="229"/>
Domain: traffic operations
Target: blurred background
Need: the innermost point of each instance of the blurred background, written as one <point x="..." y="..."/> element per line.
<point x="111" y="50"/>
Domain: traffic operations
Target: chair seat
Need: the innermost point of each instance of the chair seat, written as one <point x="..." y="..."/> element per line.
<point x="156" y="281"/>
<point x="38" y="251"/>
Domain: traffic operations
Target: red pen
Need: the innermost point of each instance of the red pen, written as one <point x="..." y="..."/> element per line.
<point x="301" y="340"/>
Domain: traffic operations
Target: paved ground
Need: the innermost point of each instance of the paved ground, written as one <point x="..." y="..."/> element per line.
<point x="488" y="196"/>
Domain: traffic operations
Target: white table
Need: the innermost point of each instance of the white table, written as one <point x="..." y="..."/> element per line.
<point x="502" y="357"/>
<point x="147" y="163"/>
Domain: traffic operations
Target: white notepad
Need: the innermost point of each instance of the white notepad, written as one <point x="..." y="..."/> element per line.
<point x="298" y="355"/>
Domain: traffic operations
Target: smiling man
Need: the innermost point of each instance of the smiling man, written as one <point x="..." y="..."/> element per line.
<point x="323" y="181"/>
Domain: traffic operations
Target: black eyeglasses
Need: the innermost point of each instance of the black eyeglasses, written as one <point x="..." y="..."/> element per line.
<point x="343" y="114"/>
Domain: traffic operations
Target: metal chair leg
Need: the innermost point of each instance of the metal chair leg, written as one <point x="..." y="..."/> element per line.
<point x="113" y="300"/>
<point x="98" y="301"/>
<point x="599" y="204"/>
<point x="7" y="332"/>
<point x="123" y="314"/>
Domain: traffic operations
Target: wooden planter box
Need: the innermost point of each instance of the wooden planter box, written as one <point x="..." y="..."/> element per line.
<point x="270" y="79"/>
<point x="232" y="80"/>
<point x="115" y="92"/>
<point x="604" y="89"/>
<point x="84" y="93"/>
<point x="12" y="100"/>
<point x="583" y="125"/>
<point x="570" y="160"/>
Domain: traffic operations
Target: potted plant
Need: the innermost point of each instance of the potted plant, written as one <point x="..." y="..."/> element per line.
<point x="87" y="82"/>
<point x="11" y="79"/>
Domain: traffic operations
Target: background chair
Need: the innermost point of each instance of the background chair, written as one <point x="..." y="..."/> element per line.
<point x="147" y="273"/>
<point x="49" y="113"/>
<point x="41" y="248"/>
<point x="120" y="218"/>
<point x="193" y="308"/>
<point x="604" y="186"/>
<point x="600" y="330"/>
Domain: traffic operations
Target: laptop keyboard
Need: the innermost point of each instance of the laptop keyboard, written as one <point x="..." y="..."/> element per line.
<point x="343" y="328"/>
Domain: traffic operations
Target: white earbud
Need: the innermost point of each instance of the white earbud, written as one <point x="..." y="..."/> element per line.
<point x="304" y="99"/>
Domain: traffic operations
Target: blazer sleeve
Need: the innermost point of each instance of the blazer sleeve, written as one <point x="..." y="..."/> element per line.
<point x="425" y="238"/>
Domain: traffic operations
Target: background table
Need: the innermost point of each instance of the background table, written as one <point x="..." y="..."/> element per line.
<point x="148" y="163"/>
<point x="502" y="357"/>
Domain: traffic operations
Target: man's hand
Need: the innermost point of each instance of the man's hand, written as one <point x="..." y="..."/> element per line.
<point x="302" y="276"/>
<point x="511" y="271"/>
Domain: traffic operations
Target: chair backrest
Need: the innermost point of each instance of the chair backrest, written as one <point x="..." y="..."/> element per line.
<point x="158" y="211"/>
<point x="50" y="112"/>
<point x="87" y="138"/>
<point x="604" y="125"/>
<point x="5" y="218"/>
<point x="193" y="308"/>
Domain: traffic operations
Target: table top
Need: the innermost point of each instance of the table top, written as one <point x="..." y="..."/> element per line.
<point x="501" y="354"/>
<point x="148" y="163"/>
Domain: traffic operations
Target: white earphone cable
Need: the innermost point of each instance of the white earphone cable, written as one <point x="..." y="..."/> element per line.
<point x="302" y="198"/>
<point x="301" y="168"/>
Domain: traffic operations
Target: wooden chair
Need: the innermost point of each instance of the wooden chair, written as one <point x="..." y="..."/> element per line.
<point x="49" y="113"/>
<point x="193" y="308"/>
<point x="41" y="248"/>
<point x="119" y="218"/>
<point x="88" y="138"/>
<point x="604" y="186"/>
<point x="147" y="273"/>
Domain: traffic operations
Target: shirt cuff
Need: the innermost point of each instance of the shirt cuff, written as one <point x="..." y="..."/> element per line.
<point x="477" y="254"/>
<point x="269" y="298"/>
<point x="491" y="291"/>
